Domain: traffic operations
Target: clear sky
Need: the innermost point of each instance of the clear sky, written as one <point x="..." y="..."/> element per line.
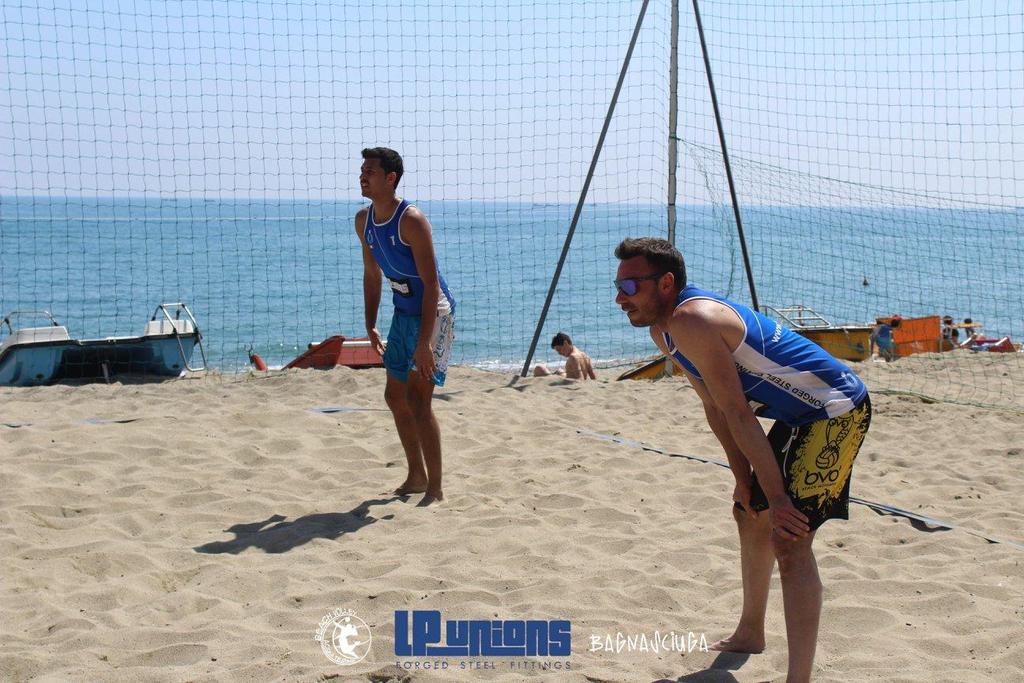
<point x="825" y="101"/>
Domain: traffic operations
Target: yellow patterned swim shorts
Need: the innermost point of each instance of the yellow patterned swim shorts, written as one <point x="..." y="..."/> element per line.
<point x="816" y="460"/>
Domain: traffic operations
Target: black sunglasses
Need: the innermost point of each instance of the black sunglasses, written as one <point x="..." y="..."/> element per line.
<point x="628" y="285"/>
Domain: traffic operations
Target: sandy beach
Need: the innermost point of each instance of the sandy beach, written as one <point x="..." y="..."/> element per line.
<point x="200" y="529"/>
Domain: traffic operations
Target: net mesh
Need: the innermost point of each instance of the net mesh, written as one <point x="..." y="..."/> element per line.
<point x="878" y="170"/>
<point x="207" y="152"/>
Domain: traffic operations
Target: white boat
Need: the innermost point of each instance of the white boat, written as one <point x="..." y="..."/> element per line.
<point x="43" y="355"/>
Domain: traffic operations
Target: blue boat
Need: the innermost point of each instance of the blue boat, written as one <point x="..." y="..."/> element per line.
<point x="43" y="355"/>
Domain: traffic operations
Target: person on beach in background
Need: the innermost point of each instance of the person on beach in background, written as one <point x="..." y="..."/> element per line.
<point x="396" y="241"/>
<point x="969" y="333"/>
<point x="881" y="342"/>
<point x="950" y="334"/>
<point x="577" y="363"/>
<point x="744" y="365"/>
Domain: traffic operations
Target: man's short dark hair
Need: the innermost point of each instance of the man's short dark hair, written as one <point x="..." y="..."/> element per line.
<point x="559" y="339"/>
<point x="660" y="253"/>
<point x="390" y="160"/>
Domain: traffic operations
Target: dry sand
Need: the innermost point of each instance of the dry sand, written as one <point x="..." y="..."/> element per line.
<point x="200" y="529"/>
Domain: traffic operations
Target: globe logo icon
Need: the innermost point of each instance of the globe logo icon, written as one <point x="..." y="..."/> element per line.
<point x="344" y="638"/>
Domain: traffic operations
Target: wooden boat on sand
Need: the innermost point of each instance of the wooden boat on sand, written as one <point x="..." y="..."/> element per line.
<point x="331" y="352"/>
<point x="338" y="350"/>
<point x="845" y="342"/>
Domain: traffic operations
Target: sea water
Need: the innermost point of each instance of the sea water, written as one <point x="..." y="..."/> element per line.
<point x="277" y="275"/>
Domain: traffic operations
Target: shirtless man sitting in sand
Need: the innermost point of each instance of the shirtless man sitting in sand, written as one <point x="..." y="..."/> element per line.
<point x="577" y="363"/>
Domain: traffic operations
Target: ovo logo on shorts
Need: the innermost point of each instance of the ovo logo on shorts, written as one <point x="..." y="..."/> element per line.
<point x="344" y="637"/>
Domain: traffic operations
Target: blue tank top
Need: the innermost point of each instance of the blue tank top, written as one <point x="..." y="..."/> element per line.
<point x="396" y="260"/>
<point x="784" y="376"/>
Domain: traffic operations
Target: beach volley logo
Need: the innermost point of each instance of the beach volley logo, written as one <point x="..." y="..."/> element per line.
<point x="344" y="637"/>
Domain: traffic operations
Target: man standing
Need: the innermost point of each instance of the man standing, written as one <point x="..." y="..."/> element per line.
<point x="744" y="365"/>
<point x="396" y="240"/>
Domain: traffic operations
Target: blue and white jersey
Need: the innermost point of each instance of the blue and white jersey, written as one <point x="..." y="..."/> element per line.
<point x="784" y="376"/>
<point x="396" y="260"/>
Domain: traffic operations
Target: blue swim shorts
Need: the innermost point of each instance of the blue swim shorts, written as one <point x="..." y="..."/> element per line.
<point x="402" y="339"/>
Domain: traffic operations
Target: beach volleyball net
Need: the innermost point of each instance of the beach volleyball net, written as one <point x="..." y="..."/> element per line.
<point x="878" y="169"/>
<point x="208" y="153"/>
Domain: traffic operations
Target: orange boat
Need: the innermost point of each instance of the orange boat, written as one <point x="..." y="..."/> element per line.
<point x="1000" y="345"/>
<point x="655" y="368"/>
<point x="337" y="350"/>
<point x="845" y="342"/>
<point x="924" y="335"/>
<point x="331" y="352"/>
<point x="917" y="335"/>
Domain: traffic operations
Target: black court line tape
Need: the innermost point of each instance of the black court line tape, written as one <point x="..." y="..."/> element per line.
<point x="88" y="421"/>
<point x="345" y="409"/>
<point x="879" y="508"/>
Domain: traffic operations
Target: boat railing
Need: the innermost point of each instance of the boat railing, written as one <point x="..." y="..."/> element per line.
<point x="40" y="313"/>
<point x="799" y="317"/>
<point x="176" y="328"/>
<point x="52" y="332"/>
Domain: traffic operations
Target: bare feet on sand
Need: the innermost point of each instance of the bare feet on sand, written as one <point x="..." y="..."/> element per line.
<point x="739" y="642"/>
<point x="410" y="487"/>
<point x="431" y="498"/>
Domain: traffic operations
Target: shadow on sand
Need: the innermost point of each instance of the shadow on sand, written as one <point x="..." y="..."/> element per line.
<point x="275" y="535"/>
<point x="717" y="672"/>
